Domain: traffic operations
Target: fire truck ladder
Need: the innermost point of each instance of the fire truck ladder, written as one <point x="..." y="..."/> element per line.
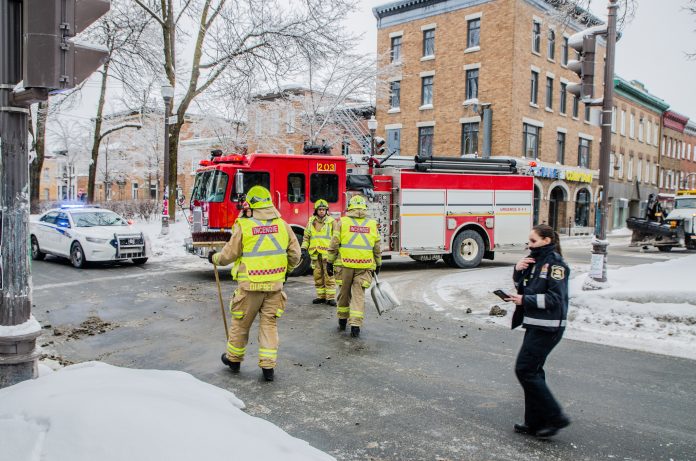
<point x="350" y="122"/>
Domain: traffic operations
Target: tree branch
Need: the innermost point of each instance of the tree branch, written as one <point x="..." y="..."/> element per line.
<point x="149" y="11"/>
<point x="119" y="127"/>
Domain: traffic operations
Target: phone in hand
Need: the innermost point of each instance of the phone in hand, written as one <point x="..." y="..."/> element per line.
<point x="501" y="294"/>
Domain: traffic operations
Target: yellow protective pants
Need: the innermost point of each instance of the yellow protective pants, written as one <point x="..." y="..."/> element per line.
<point x="244" y="307"/>
<point x="324" y="283"/>
<point x="351" y="297"/>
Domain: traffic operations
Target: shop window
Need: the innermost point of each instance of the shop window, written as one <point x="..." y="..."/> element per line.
<point x="582" y="208"/>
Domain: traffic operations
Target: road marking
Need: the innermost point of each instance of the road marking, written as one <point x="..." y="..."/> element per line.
<point x="106" y="279"/>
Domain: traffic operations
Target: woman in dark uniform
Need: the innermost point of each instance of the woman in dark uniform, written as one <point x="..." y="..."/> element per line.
<point x="542" y="292"/>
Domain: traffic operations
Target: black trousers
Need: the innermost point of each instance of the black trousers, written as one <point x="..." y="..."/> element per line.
<point x="540" y="407"/>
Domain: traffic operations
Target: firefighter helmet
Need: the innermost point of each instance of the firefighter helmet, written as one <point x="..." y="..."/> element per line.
<point x="321" y="203"/>
<point x="259" y="197"/>
<point x="357" y="202"/>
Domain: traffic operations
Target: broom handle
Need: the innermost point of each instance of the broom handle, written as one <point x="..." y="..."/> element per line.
<point x="222" y="307"/>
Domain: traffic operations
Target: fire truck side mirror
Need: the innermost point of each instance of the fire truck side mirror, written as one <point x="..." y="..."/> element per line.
<point x="239" y="182"/>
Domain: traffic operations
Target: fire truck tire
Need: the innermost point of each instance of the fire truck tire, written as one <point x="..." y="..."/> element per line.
<point x="468" y="249"/>
<point x="305" y="265"/>
<point x="665" y="248"/>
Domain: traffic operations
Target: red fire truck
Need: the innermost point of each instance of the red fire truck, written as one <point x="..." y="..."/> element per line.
<point x="459" y="210"/>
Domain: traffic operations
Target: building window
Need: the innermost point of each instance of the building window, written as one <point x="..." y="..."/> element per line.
<point x="551" y="44"/>
<point x="639" y="170"/>
<point x="564" y="51"/>
<point x="576" y="106"/>
<point x="640" y="130"/>
<point x="470" y="138"/>
<point x="612" y="164"/>
<point x="560" y="147"/>
<point x="472" y="77"/>
<point x="46" y="194"/>
<point x="549" y="93"/>
<point x="533" y="97"/>
<point x="153" y="191"/>
<point x="473" y="33"/>
<point x="531" y="140"/>
<point x="654" y="173"/>
<point x="656" y="138"/>
<point x="394" y="141"/>
<point x="345" y="147"/>
<point x="291" y="150"/>
<point x="623" y="122"/>
<point x="646" y="178"/>
<point x="429" y="42"/>
<point x="395" y="91"/>
<point x="564" y="97"/>
<point x="134" y="191"/>
<point x="629" y="168"/>
<point x="587" y="113"/>
<point x="425" y="141"/>
<point x="396" y="49"/>
<point x="584" y="147"/>
<point x="621" y="166"/>
<point x="632" y="126"/>
<point x="427" y="91"/>
<point x="536" y="37"/>
<point x="582" y="208"/>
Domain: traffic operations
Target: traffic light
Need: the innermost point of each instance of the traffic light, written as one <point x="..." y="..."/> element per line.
<point x="584" y="43"/>
<point x="380" y="148"/>
<point x="50" y="59"/>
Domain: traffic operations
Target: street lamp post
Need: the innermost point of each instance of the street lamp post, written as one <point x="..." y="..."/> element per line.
<point x="372" y="126"/>
<point x="167" y="95"/>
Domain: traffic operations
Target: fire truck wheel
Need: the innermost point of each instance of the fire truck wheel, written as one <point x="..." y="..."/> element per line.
<point x="468" y="249"/>
<point x="305" y="265"/>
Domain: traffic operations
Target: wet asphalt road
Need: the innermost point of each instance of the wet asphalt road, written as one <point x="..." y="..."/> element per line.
<point x="417" y="385"/>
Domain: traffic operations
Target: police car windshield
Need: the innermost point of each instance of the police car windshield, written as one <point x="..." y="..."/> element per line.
<point x="685" y="203"/>
<point x="97" y="218"/>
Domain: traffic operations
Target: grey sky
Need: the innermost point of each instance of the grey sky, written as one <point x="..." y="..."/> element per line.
<point x="652" y="48"/>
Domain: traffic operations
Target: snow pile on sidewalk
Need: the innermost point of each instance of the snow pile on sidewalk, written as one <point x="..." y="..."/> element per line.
<point x="94" y="411"/>
<point x="650" y="307"/>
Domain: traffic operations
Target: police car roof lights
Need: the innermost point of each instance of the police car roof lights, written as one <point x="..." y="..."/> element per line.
<point x="70" y="206"/>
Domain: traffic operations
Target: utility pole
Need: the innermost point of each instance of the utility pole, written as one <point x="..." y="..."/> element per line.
<point x="600" y="243"/>
<point x="168" y="96"/>
<point x="18" y="330"/>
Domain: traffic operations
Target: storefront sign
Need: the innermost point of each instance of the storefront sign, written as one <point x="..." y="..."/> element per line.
<point x="568" y="175"/>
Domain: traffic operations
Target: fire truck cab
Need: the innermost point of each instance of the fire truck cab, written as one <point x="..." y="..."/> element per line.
<point x="459" y="210"/>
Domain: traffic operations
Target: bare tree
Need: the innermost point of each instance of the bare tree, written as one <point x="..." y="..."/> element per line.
<point x="691" y="9"/>
<point x="242" y="40"/>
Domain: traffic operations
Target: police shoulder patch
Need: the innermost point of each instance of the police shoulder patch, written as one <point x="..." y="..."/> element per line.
<point x="558" y="272"/>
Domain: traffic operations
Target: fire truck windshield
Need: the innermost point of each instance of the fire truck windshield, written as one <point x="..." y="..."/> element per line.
<point x="210" y="186"/>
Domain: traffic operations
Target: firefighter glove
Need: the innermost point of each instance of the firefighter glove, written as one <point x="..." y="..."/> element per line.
<point x="329" y="269"/>
<point x="210" y="256"/>
<point x="305" y="253"/>
<point x="279" y="313"/>
<point x="377" y="269"/>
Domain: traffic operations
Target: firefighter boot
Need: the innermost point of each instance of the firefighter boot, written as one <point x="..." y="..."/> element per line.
<point x="234" y="366"/>
<point x="342" y="323"/>
<point x="318" y="301"/>
<point x="354" y="331"/>
<point x="267" y="374"/>
<point x="331" y="302"/>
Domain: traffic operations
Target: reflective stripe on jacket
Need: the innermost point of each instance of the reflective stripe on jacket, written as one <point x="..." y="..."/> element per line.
<point x="357" y="240"/>
<point x="264" y="253"/>
<point x="544" y="286"/>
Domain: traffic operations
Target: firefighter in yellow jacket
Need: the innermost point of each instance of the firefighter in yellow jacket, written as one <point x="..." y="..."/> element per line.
<point x="354" y="254"/>
<point x="315" y="245"/>
<point x="263" y="249"/>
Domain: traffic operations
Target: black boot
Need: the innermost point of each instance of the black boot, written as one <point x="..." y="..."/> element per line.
<point x="342" y="324"/>
<point x="267" y="374"/>
<point x="331" y="302"/>
<point x="354" y="331"/>
<point x="318" y="301"/>
<point x="234" y="366"/>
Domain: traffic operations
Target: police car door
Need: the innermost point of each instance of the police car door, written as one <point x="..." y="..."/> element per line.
<point x="45" y="231"/>
<point x="63" y="234"/>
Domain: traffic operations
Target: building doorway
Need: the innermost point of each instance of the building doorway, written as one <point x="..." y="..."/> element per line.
<point x="557" y="208"/>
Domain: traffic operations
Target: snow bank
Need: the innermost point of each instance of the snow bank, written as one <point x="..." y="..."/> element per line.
<point x="650" y="307"/>
<point x="94" y="411"/>
<point x="28" y="327"/>
<point x="170" y="247"/>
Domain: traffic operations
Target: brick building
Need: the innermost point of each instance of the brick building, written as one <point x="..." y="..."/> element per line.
<point x="283" y="122"/>
<point x="464" y="62"/>
<point x="688" y="161"/>
<point x="635" y="141"/>
<point x="671" y="150"/>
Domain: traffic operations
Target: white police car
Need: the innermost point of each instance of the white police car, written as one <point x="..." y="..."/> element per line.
<point x="87" y="233"/>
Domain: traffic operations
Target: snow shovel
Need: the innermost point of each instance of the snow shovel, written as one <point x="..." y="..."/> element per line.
<point x="383" y="296"/>
<point x="222" y="306"/>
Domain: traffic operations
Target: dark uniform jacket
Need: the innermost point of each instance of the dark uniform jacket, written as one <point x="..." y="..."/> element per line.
<point x="544" y="286"/>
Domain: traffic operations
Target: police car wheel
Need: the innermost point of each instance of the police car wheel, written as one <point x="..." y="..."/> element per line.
<point x="468" y="249"/>
<point x="77" y="256"/>
<point x="665" y="248"/>
<point x="36" y="253"/>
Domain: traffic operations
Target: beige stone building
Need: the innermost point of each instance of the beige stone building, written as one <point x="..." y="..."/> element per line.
<point x="283" y="122"/>
<point x="464" y="62"/>
<point x="635" y="150"/>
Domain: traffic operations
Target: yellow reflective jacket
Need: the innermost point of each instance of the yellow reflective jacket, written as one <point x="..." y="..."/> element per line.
<point x="358" y="237"/>
<point x="264" y="255"/>
<point x="317" y="242"/>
